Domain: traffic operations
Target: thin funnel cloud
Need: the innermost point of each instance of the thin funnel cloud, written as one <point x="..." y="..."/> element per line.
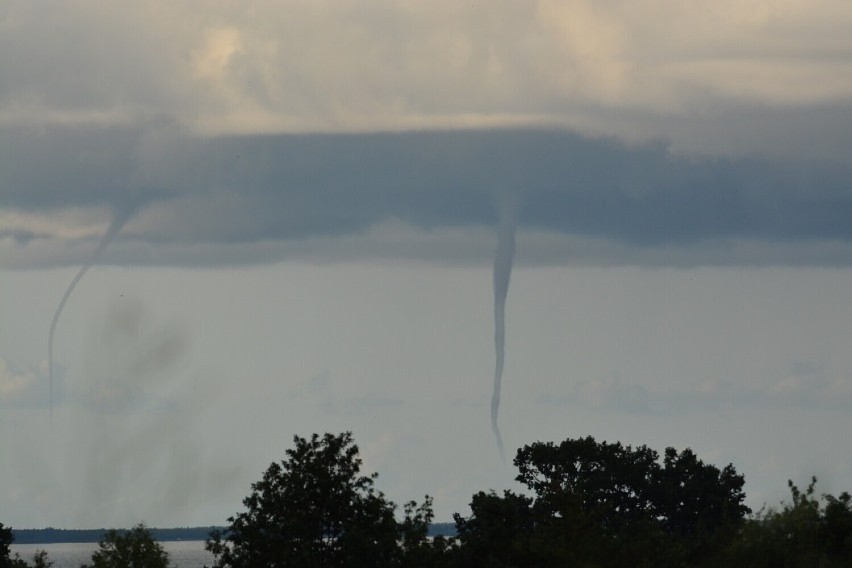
<point x="502" y="272"/>
<point x="115" y="226"/>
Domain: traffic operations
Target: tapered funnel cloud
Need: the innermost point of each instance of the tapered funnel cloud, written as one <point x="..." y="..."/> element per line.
<point x="119" y="219"/>
<point x="502" y="272"/>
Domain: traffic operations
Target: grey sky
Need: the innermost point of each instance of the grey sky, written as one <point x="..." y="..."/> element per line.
<point x="311" y="198"/>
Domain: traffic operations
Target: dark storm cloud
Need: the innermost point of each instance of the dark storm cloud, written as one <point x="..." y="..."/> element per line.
<point x="252" y="189"/>
<point x="51" y="168"/>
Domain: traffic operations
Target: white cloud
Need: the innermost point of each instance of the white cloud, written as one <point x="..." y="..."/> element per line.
<point x="338" y="66"/>
<point x="70" y="223"/>
<point x="211" y="61"/>
<point x="25" y="387"/>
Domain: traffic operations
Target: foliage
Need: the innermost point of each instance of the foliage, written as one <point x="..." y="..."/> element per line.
<point x="135" y="548"/>
<point x="40" y="559"/>
<point x="602" y="504"/>
<point x="806" y="532"/>
<point x="699" y="506"/>
<point x="316" y="509"/>
<point x="6" y="540"/>
<point x="417" y="550"/>
<point x="499" y="532"/>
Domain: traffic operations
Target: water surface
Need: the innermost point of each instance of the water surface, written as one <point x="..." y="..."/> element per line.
<point x="182" y="553"/>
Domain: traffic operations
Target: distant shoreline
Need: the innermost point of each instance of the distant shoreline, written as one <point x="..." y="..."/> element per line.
<point x="58" y="536"/>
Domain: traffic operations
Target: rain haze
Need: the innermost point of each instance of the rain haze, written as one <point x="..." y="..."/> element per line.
<point x="317" y="217"/>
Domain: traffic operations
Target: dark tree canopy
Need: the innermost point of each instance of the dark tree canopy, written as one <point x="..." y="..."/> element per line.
<point x="135" y="548"/>
<point x="499" y="532"/>
<point x="316" y="509"/>
<point x="610" y="481"/>
<point x="40" y="558"/>
<point x="605" y="504"/>
<point x="806" y="531"/>
<point x="6" y="540"/>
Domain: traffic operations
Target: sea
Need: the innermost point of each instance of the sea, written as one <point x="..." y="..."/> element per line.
<point x="182" y="553"/>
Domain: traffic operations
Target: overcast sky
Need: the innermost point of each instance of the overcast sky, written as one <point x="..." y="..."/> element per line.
<point x="306" y="197"/>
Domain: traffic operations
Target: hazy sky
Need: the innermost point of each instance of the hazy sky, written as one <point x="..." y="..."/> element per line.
<point x="308" y="195"/>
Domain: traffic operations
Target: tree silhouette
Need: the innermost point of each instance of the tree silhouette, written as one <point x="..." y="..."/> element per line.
<point x="135" y="548"/>
<point x="316" y="509"/>
<point x="605" y="504"/>
<point x="6" y="540"/>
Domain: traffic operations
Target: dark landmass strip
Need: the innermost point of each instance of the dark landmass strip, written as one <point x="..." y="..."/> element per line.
<point x="51" y="535"/>
<point x="442" y="529"/>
